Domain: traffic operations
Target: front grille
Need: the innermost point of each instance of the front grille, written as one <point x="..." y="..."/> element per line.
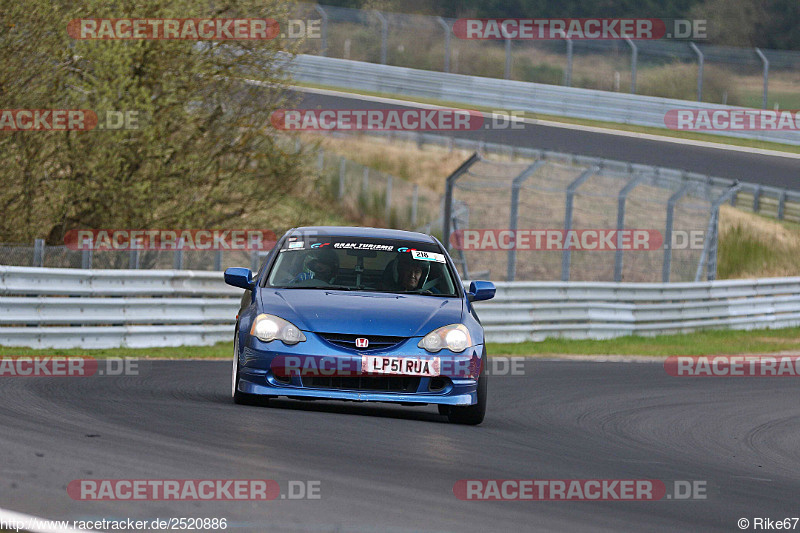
<point x="376" y="342"/>
<point x="369" y="383"/>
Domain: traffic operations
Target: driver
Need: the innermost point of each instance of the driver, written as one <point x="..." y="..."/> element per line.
<point x="320" y="264"/>
<point x="411" y="273"/>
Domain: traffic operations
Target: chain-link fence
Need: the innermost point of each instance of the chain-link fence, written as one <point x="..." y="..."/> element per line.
<point x="668" y="68"/>
<point x="556" y="220"/>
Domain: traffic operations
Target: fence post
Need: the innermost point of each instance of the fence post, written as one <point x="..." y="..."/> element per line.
<point x="384" y="35"/>
<point x="765" y="61"/>
<point x="781" y="205"/>
<point x="634" y="61"/>
<point x="757" y="199"/>
<point x="218" y="260"/>
<point x="667" y="265"/>
<point x="86" y="254"/>
<point x="568" y="72"/>
<point x="177" y="262"/>
<point x="446" y="27"/>
<point x="507" y="70"/>
<point x="700" y="61"/>
<point x="133" y="260"/>
<point x="511" y="267"/>
<point x="623" y="196"/>
<point x="342" y="170"/>
<point x="414" y="200"/>
<point x="324" y="15"/>
<point x="254" y="260"/>
<point x="566" y="255"/>
<point x="448" y="196"/>
<point x="38" y="253"/>
<point x="388" y="199"/>
<point x="710" y="246"/>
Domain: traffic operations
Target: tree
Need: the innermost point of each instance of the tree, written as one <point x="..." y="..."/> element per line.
<point x="201" y="154"/>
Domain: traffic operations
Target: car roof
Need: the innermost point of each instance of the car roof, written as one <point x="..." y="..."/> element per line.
<point x="354" y="231"/>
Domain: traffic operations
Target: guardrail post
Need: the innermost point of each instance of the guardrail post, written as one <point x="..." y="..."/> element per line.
<point x="38" y="253"/>
<point x="177" y="261"/>
<point x="342" y="170"/>
<point x="734" y="198"/>
<point x="218" y="260"/>
<point x="86" y="254"/>
<point x="388" y="199"/>
<point x="568" y="71"/>
<point x="133" y="260"/>
<point x="566" y="255"/>
<point x="710" y="245"/>
<point x="666" y="267"/>
<point x="384" y="35"/>
<point x="757" y="199"/>
<point x="254" y="260"/>
<point x="446" y="27"/>
<point x="781" y="205"/>
<point x="511" y="267"/>
<point x="700" y="61"/>
<point x="623" y="196"/>
<point x="765" y="61"/>
<point x="324" y="15"/>
<point x="414" y="201"/>
<point x="448" y="196"/>
<point x="634" y="61"/>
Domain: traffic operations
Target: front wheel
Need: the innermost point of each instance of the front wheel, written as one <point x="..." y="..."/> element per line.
<point x="471" y="415"/>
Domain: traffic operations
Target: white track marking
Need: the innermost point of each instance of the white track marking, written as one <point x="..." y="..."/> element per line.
<point x="29" y="523"/>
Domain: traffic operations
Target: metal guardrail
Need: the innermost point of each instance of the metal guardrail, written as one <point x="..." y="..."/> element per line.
<point x="508" y="94"/>
<point x="200" y="309"/>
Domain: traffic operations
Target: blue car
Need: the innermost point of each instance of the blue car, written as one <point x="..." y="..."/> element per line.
<point x="360" y="314"/>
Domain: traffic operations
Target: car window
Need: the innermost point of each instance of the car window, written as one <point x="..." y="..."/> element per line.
<point x="349" y="263"/>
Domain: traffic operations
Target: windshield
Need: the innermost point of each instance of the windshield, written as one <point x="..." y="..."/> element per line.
<point x="350" y="263"/>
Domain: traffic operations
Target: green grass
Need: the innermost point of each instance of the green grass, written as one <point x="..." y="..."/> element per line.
<point x="700" y="343"/>
<point x="217" y="351"/>
<point x="710" y="342"/>
<point x="663" y="132"/>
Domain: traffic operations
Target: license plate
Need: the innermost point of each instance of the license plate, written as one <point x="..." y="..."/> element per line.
<point x="407" y="366"/>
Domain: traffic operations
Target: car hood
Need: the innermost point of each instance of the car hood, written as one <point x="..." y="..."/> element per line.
<point x="399" y="315"/>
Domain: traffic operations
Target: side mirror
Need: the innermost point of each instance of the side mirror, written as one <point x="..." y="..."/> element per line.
<point x="239" y="277"/>
<point x="480" y="290"/>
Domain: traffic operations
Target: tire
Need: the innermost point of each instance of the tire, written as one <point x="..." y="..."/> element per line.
<point x="241" y="398"/>
<point x="471" y="415"/>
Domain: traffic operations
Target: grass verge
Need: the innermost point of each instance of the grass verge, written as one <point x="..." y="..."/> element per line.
<point x="711" y="342"/>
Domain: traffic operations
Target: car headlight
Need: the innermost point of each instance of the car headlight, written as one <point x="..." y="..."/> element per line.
<point x="454" y="337"/>
<point x="270" y="327"/>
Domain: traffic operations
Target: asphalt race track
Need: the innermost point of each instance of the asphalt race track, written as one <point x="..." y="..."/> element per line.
<point x="386" y="468"/>
<point x="776" y="171"/>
